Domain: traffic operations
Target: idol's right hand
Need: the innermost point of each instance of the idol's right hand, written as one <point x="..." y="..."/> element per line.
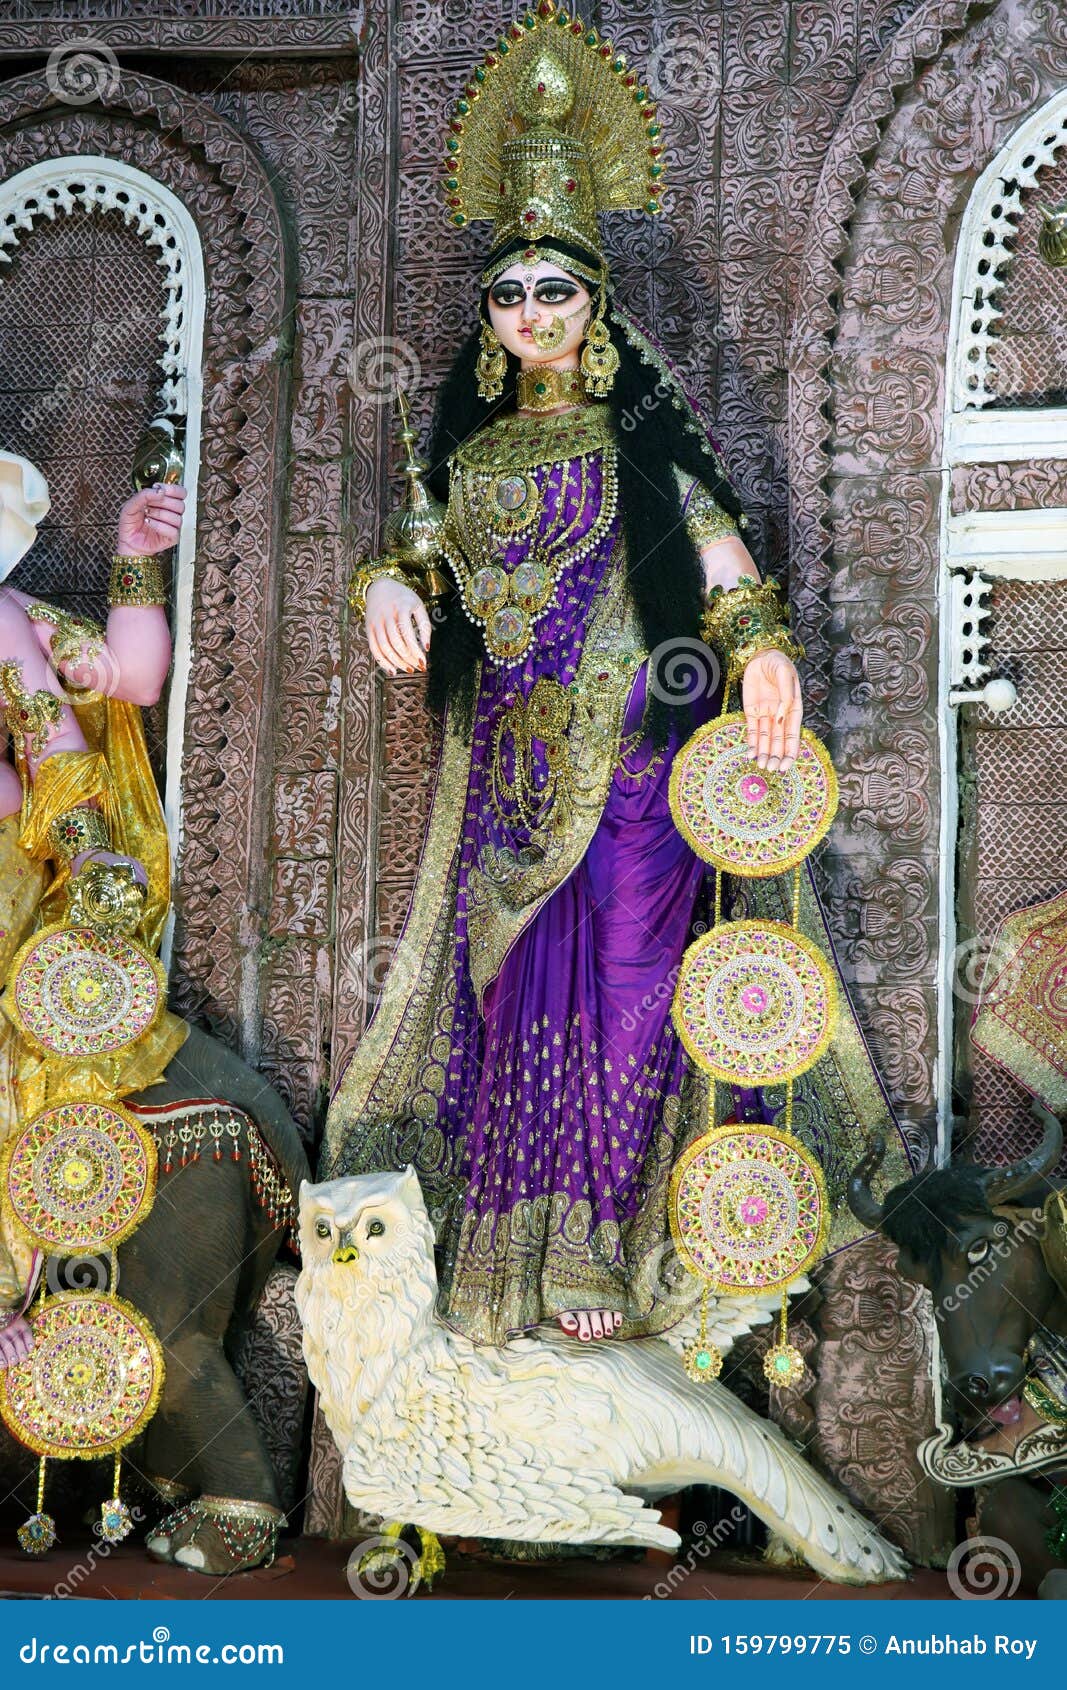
<point x="398" y="628"/>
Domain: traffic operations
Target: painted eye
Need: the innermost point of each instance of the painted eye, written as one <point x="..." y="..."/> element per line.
<point x="978" y="1251"/>
<point x="509" y="294"/>
<point x="375" y="1229"/>
<point x="323" y="1229"/>
<point x="555" y="293"/>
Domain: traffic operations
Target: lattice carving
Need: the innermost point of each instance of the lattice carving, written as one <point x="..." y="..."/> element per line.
<point x="65" y="185"/>
<point x="180" y="142"/>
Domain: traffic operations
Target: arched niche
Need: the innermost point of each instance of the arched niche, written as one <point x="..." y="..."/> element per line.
<point x="909" y="249"/>
<point x="205" y="180"/>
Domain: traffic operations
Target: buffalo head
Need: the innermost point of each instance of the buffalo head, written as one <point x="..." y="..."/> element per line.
<point x="970" y="1236"/>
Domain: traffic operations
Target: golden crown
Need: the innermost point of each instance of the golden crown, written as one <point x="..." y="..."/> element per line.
<point x="552" y="128"/>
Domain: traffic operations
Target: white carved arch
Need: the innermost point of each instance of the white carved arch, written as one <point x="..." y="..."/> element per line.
<point x="983" y="258"/>
<point x="978" y="546"/>
<point x="58" y="186"/>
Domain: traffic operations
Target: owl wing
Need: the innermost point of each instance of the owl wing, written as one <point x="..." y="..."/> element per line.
<point x="466" y="1457"/>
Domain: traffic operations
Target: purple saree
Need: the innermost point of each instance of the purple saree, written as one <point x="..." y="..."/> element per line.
<point x="523" y="1056"/>
<point x="558" y="1102"/>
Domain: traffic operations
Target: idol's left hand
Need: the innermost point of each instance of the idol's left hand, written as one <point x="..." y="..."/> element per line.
<point x="151" y="521"/>
<point x="770" y="692"/>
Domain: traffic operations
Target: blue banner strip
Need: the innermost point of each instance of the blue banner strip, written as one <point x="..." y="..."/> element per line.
<point x="438" y="1645"/>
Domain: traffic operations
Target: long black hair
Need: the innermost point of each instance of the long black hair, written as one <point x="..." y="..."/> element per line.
<point x="663" y="568"/>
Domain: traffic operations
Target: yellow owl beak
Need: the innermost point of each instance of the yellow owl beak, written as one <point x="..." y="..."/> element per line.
<point x="344" y="1254"/>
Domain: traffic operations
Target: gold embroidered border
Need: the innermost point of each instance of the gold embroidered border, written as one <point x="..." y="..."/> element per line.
<point x="504" y="894"/>
<point x="382" y="1081"/>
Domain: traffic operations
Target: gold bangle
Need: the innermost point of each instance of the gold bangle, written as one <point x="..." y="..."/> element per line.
<point x="774" y="640"/>
<point x="77" y="830"/>
<point x="136" y="582"/>
<point x="364" y="576"/>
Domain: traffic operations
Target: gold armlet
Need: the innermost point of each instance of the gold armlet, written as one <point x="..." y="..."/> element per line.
<point x="74" y="640"/>
<point x="375" y="569"/>
<point x="745" y="620"/>
<point x="136" y="582"/>
<point x="77" y="830"/>
<point x="33" y="715"/>
<point x="706" y="521"/>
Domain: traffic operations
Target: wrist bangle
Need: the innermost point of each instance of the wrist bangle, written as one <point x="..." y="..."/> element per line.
<point x="137" y="582"/>
<point x="745" y="620"/>
<point x="364" y="576"/>
<point x="81" y="829"/>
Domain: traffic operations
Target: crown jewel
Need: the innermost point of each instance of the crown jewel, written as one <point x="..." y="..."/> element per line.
<point x="552" y="128"/>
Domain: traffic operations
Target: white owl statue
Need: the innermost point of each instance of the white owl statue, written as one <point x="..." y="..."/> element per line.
<point x="544" y="1439"/>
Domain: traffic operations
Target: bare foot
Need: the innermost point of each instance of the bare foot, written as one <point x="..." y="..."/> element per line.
<point x="591" y="1323"/>
<point x="16" y="1342"/>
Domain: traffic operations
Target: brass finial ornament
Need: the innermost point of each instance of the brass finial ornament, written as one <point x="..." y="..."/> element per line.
<point x="413" y="532"/>
<point x="552" y="128"/>
<point x="1052" y="235"/>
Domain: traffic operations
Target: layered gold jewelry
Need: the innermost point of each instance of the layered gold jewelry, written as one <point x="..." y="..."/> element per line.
<point x="600" y="359"/>
<point x="546" y="389"/>
<point x="136" y="582"/>
<point x="491" y="365"/>
<point x="106" y="898"/>
<point x="74" y="640"/>
<point x="78" y="830"/>
<point x="745" y="620"/>
<point x="492" y="497"/>
<point x="32" y="717"/>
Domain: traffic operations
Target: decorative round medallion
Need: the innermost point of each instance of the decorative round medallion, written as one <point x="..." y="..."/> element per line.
<point x="755" y="1003"/>
<point x="748" y="1208"/>
<point x="513" y="503"/>
<point x="744" y="819"/>
<point x="507" y="631"/>
<point x="75" y="993"/>
<point x="81" y="1176"/>
<point x="90" y="1383"/>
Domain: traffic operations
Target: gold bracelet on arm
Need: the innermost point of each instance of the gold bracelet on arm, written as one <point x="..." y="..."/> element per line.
<point x="77" y="830"/>
<point x="375" y="569"/>
<point x="740" y="622"/>
<point x="136" y="582"/>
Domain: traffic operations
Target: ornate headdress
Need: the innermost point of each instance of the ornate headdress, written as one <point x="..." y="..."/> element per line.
<point x="552" y="128"/>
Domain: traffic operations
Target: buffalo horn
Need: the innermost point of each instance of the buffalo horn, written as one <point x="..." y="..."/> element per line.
<point x="1001" y="1184"/>
<point x="861" y="1200"/>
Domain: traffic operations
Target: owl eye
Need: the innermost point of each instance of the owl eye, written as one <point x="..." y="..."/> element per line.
<point x="375" y="1229"/>
<point x="322" y="1229"/>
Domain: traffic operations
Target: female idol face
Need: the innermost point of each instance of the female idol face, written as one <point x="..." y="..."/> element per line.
<point x="540" y="313"/>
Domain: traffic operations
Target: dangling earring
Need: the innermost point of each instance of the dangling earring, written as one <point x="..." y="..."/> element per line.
<point x="600" y="360"/>
<point x="492" y="362"/>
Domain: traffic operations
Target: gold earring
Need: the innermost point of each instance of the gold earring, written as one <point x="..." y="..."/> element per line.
<point x="600" y="360"/>
<point x="492" y="362"/>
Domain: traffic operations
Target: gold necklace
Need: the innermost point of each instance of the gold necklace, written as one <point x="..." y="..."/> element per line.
<point x="484" y="511"/>
<point x="546" y="389"/>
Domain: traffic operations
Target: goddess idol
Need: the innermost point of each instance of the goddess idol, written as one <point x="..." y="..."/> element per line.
<point x="523" y="1057"/>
